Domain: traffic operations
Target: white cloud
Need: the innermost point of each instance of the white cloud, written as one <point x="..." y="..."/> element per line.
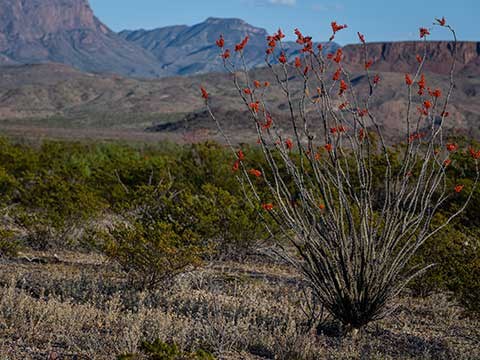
<point x="327" y="7"/>
<point x="283" y="2"/>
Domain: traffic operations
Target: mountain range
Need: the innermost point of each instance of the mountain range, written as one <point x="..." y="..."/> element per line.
<point x="61" y="67"/>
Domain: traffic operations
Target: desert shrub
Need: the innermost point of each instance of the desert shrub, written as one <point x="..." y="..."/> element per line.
<point x="159" y="350"/>
<point x="159" y="240"/>
<point x="9" y="245"/>
<point x="355" y="210"/>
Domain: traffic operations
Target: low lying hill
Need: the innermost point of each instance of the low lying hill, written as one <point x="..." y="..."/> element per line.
<point x="54" y="95"/>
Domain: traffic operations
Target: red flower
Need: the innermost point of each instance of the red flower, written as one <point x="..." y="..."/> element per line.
<point x="242" y="44"/>
<point x="267" y="207"/>
<point x="452" y="147"/>
<point x="342" y="128"/>
<point x="447" y="162"/>
<point x="361" y="134"/>
<point x="298" y="62"/>
<point x="435" y="93"/>
<point x="257" y="84"/>
<point x="362" y="112"/>
<point x="459" y="188"/>
<point x="305" y="71"/>
<point x="427" y="104"/>
<point x="337" y="74"/>
<point x="445" y="114"/>
<point x="422" y="111"/>
<point x="361" y="37"/>
<point x="424" y="32"/>
<point x="419" y="58"/>
<point x="236" y="166"/>
<point x="254" y="106"/>
<point x="421" y="84"/>
<point x="321" y="206"/>
<point x="226" y="54"/>
<point x="241" y="155"/>
<point x="342" y="105"/>
<point x="279" y="35"/>
<point x="376" y="79"/>
<point x="255" y="172"/>
<point x="338" y="56"/>
<point x="328" y="147"/>
<point x="266" y="84"/>
<point x="320" y="47"/>
<point x="204" y="93"/>
<point x="441" y="21"/>
<point x="289" y="144"/>
<point x="269" y="51"/>
<point x="282" y="58"/>
<point x="318" y="156"/>
<point x="368" y="64"/>
<point x="268" y="123"/>
<point x="300" y="38"/>
<point x="343" y="87"/>
<point x="336" y="27"/>
<point x="220" y="42"/>
<point x="333" y="130"/>
<point x="408" y="80"/>
<point x="475" y="154"/>
<point x="247" y="91"/>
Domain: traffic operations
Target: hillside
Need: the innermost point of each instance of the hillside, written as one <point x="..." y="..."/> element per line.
<point x="54" y="95"/>
<point x="187" y="50"/>
<point x="66" y="31"/>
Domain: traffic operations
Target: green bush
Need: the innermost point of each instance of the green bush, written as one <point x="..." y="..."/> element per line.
<point x="9" y="246"/>
<point x="158" y="350"/>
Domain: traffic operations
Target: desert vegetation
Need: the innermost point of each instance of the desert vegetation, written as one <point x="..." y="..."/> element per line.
<point x="88" y="271"/>
<point x="319" y="241"/>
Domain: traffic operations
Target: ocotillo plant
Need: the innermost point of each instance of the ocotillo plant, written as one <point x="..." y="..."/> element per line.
<point x="354" y="234"/>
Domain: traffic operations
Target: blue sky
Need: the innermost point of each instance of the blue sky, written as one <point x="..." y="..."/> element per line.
<point x="378" y="20"/>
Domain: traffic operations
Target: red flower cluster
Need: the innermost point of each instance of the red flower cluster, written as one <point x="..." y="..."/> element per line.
<point x="267" y="207"/>
<point x="289" y="144"/>
<point x="247" y="91"/>
<point x="447" y="162"/>
<point x="343" y="87"/>
<point x="337" y="57"/>
<point x="368" y="64"/>
<point x="298" y="62"/>
<point x="255" y="172"/>
<point x="336" y="27"/>
<point x="220" y="42"/>
<point x="254" y="106"/>
<point x="444" y="114"/>
<point x="336" y="75"/>
<point x="342" y="105"/>
<point x="306" y="41"/>
<point x="240" y="46"/>
<point x="226" y="54"/>
<point x="362" y="112"/>
<point x="376" y="79"/>
<point x="419" y="58"/>
<point x="441" y="21"/>
<point x="240" y="157"/>
<point x="421" y="84"/>
<point x="361" y="134"/>
<point x="435" y="93"/>
<point x="452" y="147"/>
<point x="459" y="188"/>
<point x="329" y="147"/>
<point x="408" y="80"/>
<point x="473" y="153"/>
<point x="282" y="59"/>
<point x="204" y="93"/>
<point x="273" y="39"/>
<point x="268" y="122"/>
<point x="257" y="84"/>
<point x="416" y="136"/>
<point x="424" y="32"/>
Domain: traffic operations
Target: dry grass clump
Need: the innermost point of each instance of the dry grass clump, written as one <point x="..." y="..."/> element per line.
<point x="79" y="308"/>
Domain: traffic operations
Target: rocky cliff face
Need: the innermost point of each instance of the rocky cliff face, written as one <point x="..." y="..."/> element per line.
<point x="401" y="56"/>
<point x="66" y="31"/>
